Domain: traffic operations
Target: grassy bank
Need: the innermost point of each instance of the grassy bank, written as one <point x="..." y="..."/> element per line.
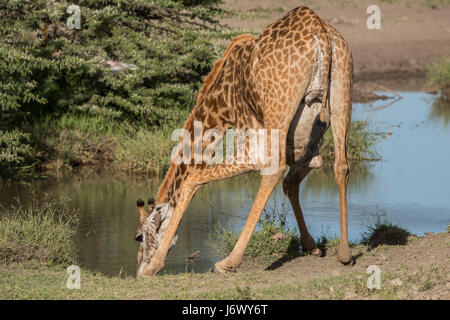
<point x="273" y="240"/>
<point x="50" y="283"/>
<point x="40" y="230"/>
<point x="72" y="142"/>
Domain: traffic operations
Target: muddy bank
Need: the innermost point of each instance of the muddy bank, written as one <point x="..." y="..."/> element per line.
<point x="395" y="56"/>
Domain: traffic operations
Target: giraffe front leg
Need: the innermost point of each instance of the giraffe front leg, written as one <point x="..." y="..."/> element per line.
<point x="268" y="183"/>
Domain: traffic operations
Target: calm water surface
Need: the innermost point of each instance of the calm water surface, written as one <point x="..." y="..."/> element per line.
<point x="411" y="184"/>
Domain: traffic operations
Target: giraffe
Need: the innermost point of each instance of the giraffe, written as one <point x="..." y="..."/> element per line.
<point x="296" y="79"/>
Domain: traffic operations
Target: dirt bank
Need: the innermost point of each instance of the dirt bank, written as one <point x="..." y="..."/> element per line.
<point x="411" y="35"/>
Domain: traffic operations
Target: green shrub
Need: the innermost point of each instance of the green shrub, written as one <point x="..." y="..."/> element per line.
<point x="16" y="154"/>
<point x="361" y="143"/>
<point x="40" y="230"/>
<point x="271" y="237"/>
<point x="438" y="76"/>
<point x="49" y="71"/>
<point x="384" y="232"/>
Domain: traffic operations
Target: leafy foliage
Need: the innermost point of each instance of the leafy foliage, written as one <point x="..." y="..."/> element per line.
<point x="15" y="153"/>
<point x="439" y="76"/>
<point x="48" y="69"/>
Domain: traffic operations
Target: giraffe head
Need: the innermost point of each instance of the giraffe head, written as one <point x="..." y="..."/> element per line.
<point x="150" y="232"/>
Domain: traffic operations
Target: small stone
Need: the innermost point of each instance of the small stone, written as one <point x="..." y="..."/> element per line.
<point x="397" y="282"/>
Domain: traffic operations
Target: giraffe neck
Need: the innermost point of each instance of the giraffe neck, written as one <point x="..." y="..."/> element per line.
<point x="220" y="105"/>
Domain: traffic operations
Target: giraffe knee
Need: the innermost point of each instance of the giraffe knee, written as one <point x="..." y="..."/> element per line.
<point x="341" y="172"/>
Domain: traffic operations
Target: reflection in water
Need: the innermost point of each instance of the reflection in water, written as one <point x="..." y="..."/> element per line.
<point x="440" y="110"/>
<point x="410" y="184"/>
<point x="321" y="182"/>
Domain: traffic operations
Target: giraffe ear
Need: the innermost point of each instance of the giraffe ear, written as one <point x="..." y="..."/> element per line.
<point x="157" y="220"/>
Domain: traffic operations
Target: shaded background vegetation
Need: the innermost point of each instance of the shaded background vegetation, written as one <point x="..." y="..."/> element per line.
<point x="59" y="101"/>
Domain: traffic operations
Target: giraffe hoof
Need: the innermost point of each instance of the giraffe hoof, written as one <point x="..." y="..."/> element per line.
<point x="344" y="256"/>
<point x="316" y="252"/>
<point x="222" y="267"/>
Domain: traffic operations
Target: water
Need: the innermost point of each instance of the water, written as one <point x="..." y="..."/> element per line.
<point x="411" y="184"/>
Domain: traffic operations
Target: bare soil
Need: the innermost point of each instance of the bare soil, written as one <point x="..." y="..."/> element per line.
<point x="417" y="270"/>
<point x="396" y="56"/>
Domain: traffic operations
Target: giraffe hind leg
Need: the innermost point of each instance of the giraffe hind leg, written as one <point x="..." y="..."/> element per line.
<point x="291" y="188"/>
<point x="341" y="108"/>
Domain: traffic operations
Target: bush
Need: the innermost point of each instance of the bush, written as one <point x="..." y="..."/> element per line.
<point x="439" y="76"/>
<point x="49" y="68"/>
<point x="49" y="71"/>
<point x="383" y="232"/>
<point x="361" y="143"/>
<point x="271" y="238"/>
<point x="16" y="154"/>
<point x="41" y="230"/>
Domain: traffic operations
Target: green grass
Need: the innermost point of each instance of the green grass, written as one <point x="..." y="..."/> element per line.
<point x="40" y="230"/>
<point x="28" y="282"/>
<point x="272" y="238"/>
<point x="73" y="142"/>
<point x="438" y="76"/>
<point x="361" y="143"/>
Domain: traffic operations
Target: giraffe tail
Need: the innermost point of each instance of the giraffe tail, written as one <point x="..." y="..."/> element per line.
<point x="318" y="88"/>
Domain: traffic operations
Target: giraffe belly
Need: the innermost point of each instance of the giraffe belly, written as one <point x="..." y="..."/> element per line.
<point x="305" y="135"/>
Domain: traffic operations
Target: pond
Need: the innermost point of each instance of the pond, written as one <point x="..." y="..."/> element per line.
<point x="410" y="184"/>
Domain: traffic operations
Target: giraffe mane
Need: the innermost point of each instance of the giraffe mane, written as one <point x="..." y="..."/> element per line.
<point x="207" y="83"/>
